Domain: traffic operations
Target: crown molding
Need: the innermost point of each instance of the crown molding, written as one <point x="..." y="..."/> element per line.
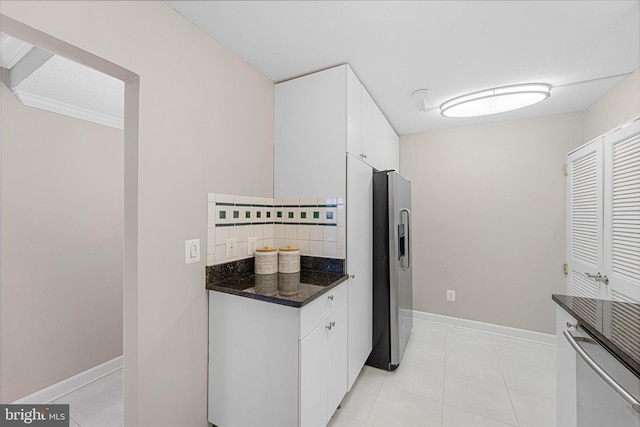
<point x="55" y="106"/>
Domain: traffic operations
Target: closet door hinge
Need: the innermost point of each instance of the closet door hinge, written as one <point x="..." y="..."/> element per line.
<point x="565" y="169"/>
<point x="566" y="269"/>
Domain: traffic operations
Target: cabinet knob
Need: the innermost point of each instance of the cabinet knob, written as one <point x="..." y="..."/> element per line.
<point x="330" y="325"/>
<point x="572" y="325"/>
<point x="330" y="297"/>
<point x="364" y="156"/>
<point x="353" y="276"/>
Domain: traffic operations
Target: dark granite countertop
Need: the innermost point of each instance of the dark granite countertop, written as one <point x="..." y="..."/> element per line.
<point x="615" y="324"/>
<point x="291" y="289"/>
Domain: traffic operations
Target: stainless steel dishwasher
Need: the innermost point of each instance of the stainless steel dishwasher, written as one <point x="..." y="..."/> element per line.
<point x="608" y="393"/>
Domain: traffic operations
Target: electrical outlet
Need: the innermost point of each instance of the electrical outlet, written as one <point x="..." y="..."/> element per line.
<point x="232" y="247"/>
<point x="251" y="246"/>
<point x="451" y="295"/>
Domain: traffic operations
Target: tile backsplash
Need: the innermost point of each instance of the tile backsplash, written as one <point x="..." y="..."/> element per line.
<point x="316" y="225"/>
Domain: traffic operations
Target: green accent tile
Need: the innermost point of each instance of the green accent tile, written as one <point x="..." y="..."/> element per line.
<point x="316" y="215"/>
<point x="258" y="214"/>
<point x="290" y="215"/>
<point x="223" y="214"/>
<point x="224" y="204"/>
<point x="247" y="214"/>
<point x="329" y="215"/>
<point x="303" y="215"/>
<point x="279" y="214"/>
<point x="268" y="214"/>
<point x="236" y="214"/>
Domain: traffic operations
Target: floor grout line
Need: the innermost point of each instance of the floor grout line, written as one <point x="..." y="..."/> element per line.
<point x="504" y="380"/>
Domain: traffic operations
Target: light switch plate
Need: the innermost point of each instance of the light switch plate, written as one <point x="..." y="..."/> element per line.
<point x="191" y="251"/>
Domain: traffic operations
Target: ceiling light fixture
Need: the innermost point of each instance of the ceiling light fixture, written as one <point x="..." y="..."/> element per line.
<point x="496" y="100"/>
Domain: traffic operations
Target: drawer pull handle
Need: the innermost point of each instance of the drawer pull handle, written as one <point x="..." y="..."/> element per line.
<point x="330" y="297"/>
<point x="330" y="325"/>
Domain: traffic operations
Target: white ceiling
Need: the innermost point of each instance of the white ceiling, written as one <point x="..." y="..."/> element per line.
<point x="448" y="47"/>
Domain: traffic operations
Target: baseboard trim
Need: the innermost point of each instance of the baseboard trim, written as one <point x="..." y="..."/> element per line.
<point x="489" y="328"/>
<point x="59" y="389"/>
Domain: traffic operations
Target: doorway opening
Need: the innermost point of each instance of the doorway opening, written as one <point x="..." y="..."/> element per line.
<point x="23" y="171"/>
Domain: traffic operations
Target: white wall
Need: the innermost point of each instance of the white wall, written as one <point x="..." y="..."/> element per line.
<point x="206" y="126"/>
<point x="62" y="203"/>
<point x="489" y="218"/>
<point x="614" y="108"/>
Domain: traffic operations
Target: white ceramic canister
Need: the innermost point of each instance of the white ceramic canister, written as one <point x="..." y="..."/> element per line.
<point x="266" y="261"/>
<point x="289" y="260"/>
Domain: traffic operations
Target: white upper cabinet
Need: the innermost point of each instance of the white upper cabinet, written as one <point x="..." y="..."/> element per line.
<point x="354" y="95"/>
<point x="366" y="153"/>
<point x="385" y="143"/>
<point x="319" y="118"/>
<point x="379" y="147"/>
<point x="310" y="135"/>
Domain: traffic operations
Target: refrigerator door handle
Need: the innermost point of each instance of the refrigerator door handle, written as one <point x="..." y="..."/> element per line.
<point x="407" y="240"/>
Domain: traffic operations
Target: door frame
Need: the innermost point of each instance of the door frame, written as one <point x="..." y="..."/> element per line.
<point x="131" y="125"/>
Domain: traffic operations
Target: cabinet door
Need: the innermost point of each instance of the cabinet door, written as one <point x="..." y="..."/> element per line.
<point x="359" y="263"/>
<point x="368" y="128"/>
<point x="337" y="360"/>
<point x="622" y="213"/>
<point x="313" y="378"/>
<point x="584" y="220"/>
<point x="386" y="145"/>
<point x="309" y="135"/>
<point x="354" y="114"/>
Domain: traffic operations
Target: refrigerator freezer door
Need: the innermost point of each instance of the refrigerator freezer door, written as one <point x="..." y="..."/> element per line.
<point x="400" y="274"/>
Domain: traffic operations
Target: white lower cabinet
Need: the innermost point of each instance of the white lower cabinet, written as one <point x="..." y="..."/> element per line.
<point x="323" y="370"/>
<point x="274" y="365"/>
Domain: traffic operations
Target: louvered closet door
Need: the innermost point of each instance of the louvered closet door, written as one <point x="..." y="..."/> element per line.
<point x="584" y="220"/>
<point x="622" y="213"/>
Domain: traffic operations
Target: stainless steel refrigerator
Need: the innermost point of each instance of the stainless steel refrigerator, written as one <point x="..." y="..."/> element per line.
<point x="392" y="276"/>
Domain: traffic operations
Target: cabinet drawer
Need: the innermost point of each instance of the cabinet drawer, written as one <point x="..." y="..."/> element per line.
<point x="315" y="312"/>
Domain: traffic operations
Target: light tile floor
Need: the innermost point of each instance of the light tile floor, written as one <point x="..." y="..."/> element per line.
<point x="98" y="404"/>
<point x="453" y="377"/>
<point x="449" y="377"/>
